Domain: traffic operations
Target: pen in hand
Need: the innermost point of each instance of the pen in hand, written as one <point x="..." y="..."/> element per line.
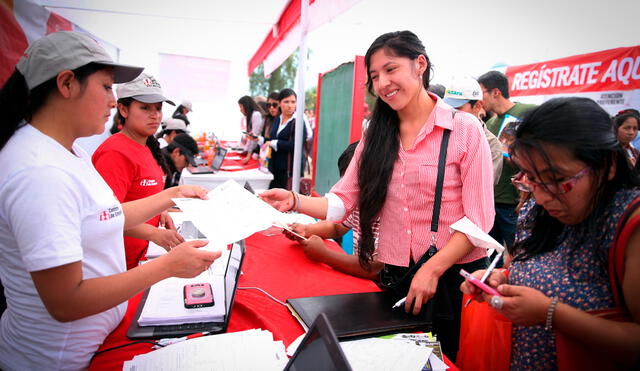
<point x="399" y="303"/>
<point x="486" y="274"/>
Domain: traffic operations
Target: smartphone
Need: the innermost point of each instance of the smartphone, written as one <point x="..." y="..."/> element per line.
<point x="291" y="234"/>
<point x="198" y="295"/>
<point x="249" y="134"/>
<point x="479" y="284"/>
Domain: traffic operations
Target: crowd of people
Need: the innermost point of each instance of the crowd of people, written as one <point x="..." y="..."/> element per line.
<point x="550" y="182"/>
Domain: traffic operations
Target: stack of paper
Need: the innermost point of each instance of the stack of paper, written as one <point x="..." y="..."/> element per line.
<point x="165" y="303"/>
<point x="394" y="352"/>
<point x="246" y="350"/>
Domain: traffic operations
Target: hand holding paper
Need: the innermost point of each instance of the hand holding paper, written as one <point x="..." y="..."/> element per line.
<point x="230" y="214"/>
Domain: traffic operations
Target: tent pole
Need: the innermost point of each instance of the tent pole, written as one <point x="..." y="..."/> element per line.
<point x="302" y="68"/>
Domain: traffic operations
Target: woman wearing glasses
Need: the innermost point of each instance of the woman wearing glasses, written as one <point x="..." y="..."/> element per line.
<point x="580" y="187"/>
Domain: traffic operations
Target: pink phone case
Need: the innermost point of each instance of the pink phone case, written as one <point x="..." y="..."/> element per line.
<point x="479" y="284"/>
<point x="198" y="295"/>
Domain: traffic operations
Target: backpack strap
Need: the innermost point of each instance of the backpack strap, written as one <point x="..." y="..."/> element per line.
<point x="626" y="226"/>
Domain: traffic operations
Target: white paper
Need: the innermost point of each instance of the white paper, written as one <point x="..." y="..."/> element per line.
<point x="477" y="237"/>
<point x="230" y="214"/>
<point x="383" y="354"/>
<point x="165" y="303"/>
<point x="436" y="363"/>
<point x="244" y="350"/>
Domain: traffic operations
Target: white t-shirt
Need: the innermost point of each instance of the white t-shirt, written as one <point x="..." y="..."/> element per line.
<point x="55" y="209"/>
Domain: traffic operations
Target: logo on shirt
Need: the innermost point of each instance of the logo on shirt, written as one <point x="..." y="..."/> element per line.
<point x="148" y="182"/>
<point x="111" y="212"/>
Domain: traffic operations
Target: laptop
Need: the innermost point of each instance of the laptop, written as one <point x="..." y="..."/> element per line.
<point x="231" y="276"/>
<point x="218" y="157"/>
<point x="362" y="314"/>
<point x="319" y="350"/>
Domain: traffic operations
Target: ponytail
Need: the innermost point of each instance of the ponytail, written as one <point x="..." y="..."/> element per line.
<point x="14" y="101"/>
<point x="376" y="167"/>
<point x="154" y="147"/>
<point x="18" y="104"/>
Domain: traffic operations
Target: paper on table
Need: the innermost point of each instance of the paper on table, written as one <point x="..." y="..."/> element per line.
<point x="244" y="350"/>
<point x="476" y="235"/>
<point x="381" y="354"/>
<point x="230" y="214"/>
<point x="165" y="303"/>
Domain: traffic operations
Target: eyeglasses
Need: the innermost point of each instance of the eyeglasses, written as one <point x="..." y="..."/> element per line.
<point x="272" y="105"/>
<point x="522" y="183"/>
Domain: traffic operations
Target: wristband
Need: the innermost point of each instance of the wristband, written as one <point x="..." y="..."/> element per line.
<point x="552" y="307"/>
<point x="294" y="201"/>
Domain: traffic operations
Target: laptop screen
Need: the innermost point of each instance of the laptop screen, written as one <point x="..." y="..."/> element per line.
<point x="232" y="274"/>
<point x="319" y="350"/>
<point x="218" y="158"/>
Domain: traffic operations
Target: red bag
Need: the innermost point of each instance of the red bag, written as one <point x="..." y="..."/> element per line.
<point x="573" y="355"/>
<point x="485" y="338"/>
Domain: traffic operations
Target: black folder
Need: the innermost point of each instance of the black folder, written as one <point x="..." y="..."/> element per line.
<point x="362" y="314"/>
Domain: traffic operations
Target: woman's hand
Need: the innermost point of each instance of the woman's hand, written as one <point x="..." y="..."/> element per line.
<point x="245" y="160"/>
<point x="300" y="229"/>
<point x="191" y="191"/>
<point x="495" y="279"/>
<point x="279" y="198"/>
<point x="167" y="238"/>
<point x="314" y="248"/>
<point x="523" y="305"/>
<point x="166" y="221"/>
<point x="187" y="260"/>
<point x="423" y="287"/>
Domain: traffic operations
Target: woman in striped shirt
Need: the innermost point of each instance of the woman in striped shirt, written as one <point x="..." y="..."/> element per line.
<point x="393" y="178"/>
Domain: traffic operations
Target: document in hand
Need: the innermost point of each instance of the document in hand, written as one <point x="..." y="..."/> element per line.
<point x="230" y="214"/>
<point x="476" y="235"/>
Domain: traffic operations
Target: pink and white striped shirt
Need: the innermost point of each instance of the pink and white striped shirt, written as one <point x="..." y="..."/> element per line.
<point x="405" y="219"/>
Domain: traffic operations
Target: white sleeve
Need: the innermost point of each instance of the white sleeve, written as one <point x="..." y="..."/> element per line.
<point x="43" y="208"/>
<point x="274" y="144"/>
<point x="256" y="123"/>
<point x="335" y="207"/>
<point x="309" y="130"/>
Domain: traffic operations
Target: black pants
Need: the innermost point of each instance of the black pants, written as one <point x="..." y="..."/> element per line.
<point x="447" y="305"/>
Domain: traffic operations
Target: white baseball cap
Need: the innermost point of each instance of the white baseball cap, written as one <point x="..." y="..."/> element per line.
<point x="187" y="103"/>
<point x="45" y="58"/>
<point x="461" y="91"/>
<point x="144" y="88"/>
<point x="175" y="124"/>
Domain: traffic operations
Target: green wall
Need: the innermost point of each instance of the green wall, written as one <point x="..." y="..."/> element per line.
<point x="334" y="127"/>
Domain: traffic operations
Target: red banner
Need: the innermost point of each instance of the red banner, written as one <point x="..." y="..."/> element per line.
<point x="608" y="70"/>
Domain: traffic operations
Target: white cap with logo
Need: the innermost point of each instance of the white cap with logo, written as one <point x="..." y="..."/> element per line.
<point x="462" y="90"/>
<point x="144" y="88"/>
<point x="187" y="104"/>
<point x="45" y="58"/>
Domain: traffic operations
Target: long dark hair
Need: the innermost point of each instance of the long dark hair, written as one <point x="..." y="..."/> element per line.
<point x="268" y="119"/>
<point x="249" y="107"/>
<point x="382" y="140"/>
<point x="152" y="142"/>
<point x="18" y="103"/>
<point x="591" y="141"/>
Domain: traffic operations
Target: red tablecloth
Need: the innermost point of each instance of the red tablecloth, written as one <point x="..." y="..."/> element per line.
<point x="252" y="164"/>
<point x="273" y="264"/>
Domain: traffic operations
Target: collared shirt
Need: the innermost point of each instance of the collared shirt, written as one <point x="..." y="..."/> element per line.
<point x="405" y="219"/>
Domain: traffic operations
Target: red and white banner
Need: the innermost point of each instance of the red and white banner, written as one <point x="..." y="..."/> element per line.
<point x="22" y="22"/>
<point x="609" y="77"/>
<point x="285" y="35"/>
<point x="613" y="69"/>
